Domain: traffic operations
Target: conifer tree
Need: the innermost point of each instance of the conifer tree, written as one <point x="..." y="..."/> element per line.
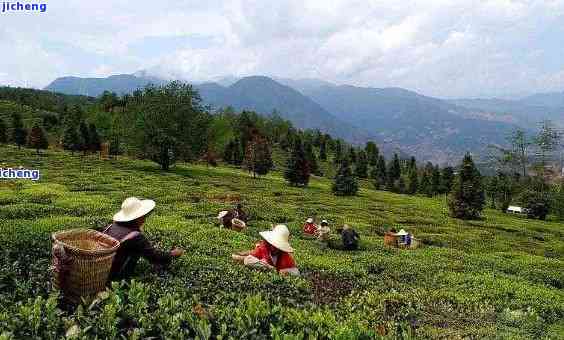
<point x="38" y="139"/>
<point x="412" y="164"/>
<point x="3" y="132"/>
<point x="394" y="171"/>
<point x="71" y="139"/>
<point x="467" y="199"/>
<point x="19" y="132"/>
<point x="84" y="137"/>
<point x="447" y="177"/>
<point x="379" y="173"/>
<point x="352" y="155"/>
<point x="372" y="153"/>
<point x="435" y="180"/>
<point x="94" y="143"/>
<point x="297" y="170"/>
<point x="258" y="156"/>
<point x="425" y="183"/>
<point x="361" y="168"/>
<point x="413" y="184"/>
<point x="323" y="149"/>
<point x="345" y="183"/>
<point x="491" y="190"/>
<point x="401" y="185"/>
<point x="311" y="159"/>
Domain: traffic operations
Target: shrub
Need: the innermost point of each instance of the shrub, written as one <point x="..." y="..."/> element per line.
<point x="537" y="204"/>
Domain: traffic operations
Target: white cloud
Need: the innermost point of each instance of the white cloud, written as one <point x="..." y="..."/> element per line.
<point x="438" y="47"/>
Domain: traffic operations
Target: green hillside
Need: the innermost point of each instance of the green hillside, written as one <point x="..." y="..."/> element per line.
<point x="499" y="277"/>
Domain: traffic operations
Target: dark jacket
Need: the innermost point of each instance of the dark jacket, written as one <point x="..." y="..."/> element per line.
<point x="350" y="239"/>
<point x="134" y="245"/>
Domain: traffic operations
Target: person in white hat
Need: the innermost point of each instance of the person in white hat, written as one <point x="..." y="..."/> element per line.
<point x="310" y="228"/>
<point x="235" y="218"/>
<point x="273" y="252"/>
<point x="402" y="237"/>
<point x="127" y="228"/>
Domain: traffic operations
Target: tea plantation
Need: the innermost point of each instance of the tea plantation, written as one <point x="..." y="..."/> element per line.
<point x="499" y="277"/>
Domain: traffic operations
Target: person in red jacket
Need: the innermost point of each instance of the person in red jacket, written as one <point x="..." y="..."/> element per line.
<point x="273" y="252"/>
<point x="310" y="228"/>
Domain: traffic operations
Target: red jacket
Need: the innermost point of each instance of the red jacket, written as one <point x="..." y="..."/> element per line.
<point x="310" y="228"/>
<point x="284" y="260"/>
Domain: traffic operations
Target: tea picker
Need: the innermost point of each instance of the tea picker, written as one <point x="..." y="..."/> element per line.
<point x="272" y="253"/>
<point x="84" y="260"/>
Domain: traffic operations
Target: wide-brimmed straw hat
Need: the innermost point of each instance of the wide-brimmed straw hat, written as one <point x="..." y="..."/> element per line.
<point x="278" y="237"/>
<point x="402" y="233"/>
<point x="309" y="220"/>
<point x="324" y="222"/>
<point x="133" y="208"/>
<point x="222" y="214"/>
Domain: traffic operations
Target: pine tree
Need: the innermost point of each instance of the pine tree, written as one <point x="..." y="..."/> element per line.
<point x="38" y="139"/>
<point x="379" y="173"/>
<point x="71" y="139"/>
<point x="412" y="164"/>
<point x="258" y="156"/>
<point x="84" y="137"/>
<point x="3" y="132"/>
<point x="19" y="132"/>
<point x="345" y="183"/>
<point x="425" y="183"/>
<point x="312" y="159"/>
<point x="491" y="190"/>
<point x="372" y="153"/>
<point x="323" y="149"/>
<point x="401" y="185"/>
<point x="447" y="177"/>
<point x="352" y="155"/>
<point x="94" y="143"/>
<point x="297" y="170"/>
<point x="435" y="180"/>
<point x="361" y="168"/>
<point x="394" y="171"/>
<point x="413" y="184"/>
<point x="467" y="199"/>
<point x="337" y="152"/>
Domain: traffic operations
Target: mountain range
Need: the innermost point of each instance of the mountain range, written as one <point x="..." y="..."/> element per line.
<point x="430" y="128"/>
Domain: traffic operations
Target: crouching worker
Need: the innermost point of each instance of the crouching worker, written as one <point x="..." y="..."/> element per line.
<point x="235" y="219"/>
<point x="310" y="228"/>
<point x="350" y="238"/>
<point x="127" y="227"/>
<point x="273" y="252"/>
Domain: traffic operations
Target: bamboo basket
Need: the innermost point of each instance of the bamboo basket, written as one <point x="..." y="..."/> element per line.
<point x="390" y="240"/>
<point x="82" y="260"/>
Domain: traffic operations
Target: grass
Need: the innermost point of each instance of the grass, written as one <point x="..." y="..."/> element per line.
<point x="499" y="277"/>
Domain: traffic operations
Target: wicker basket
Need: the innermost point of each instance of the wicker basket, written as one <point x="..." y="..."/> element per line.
<point x="82" y="260"/>
<point x="390" y="240"/>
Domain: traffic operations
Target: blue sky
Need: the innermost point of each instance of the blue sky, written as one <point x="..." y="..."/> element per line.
<point x="442" y="48"/>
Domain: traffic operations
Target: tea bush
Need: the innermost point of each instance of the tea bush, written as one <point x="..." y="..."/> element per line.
<point x="498" y="277"/>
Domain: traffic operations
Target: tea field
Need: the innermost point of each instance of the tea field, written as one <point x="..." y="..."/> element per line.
<point x="499" y="277"/>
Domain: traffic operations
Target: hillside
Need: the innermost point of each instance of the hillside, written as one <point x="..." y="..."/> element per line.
<point x="428" y="127"/>
<point x="120" y="84"/>
<point x="525" y="112"/>
<point x="499" y="277"/>
<point x="260" y="94"/>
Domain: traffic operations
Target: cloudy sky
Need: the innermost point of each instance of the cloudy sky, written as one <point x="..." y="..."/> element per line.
<point x="437" y="47"/>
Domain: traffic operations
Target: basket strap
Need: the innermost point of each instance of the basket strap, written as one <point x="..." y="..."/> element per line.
<point x="61" y="262"/>
<point x="130" y="236"/>
<point x="107" y="228"/>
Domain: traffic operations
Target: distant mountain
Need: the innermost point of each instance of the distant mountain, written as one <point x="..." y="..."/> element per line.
<point x="120" y="84"/>
<point x="430" y="128"/>
<point x="525" y="112"/>
<point x="264" y="95"/>
<point x="257" y="93"/>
